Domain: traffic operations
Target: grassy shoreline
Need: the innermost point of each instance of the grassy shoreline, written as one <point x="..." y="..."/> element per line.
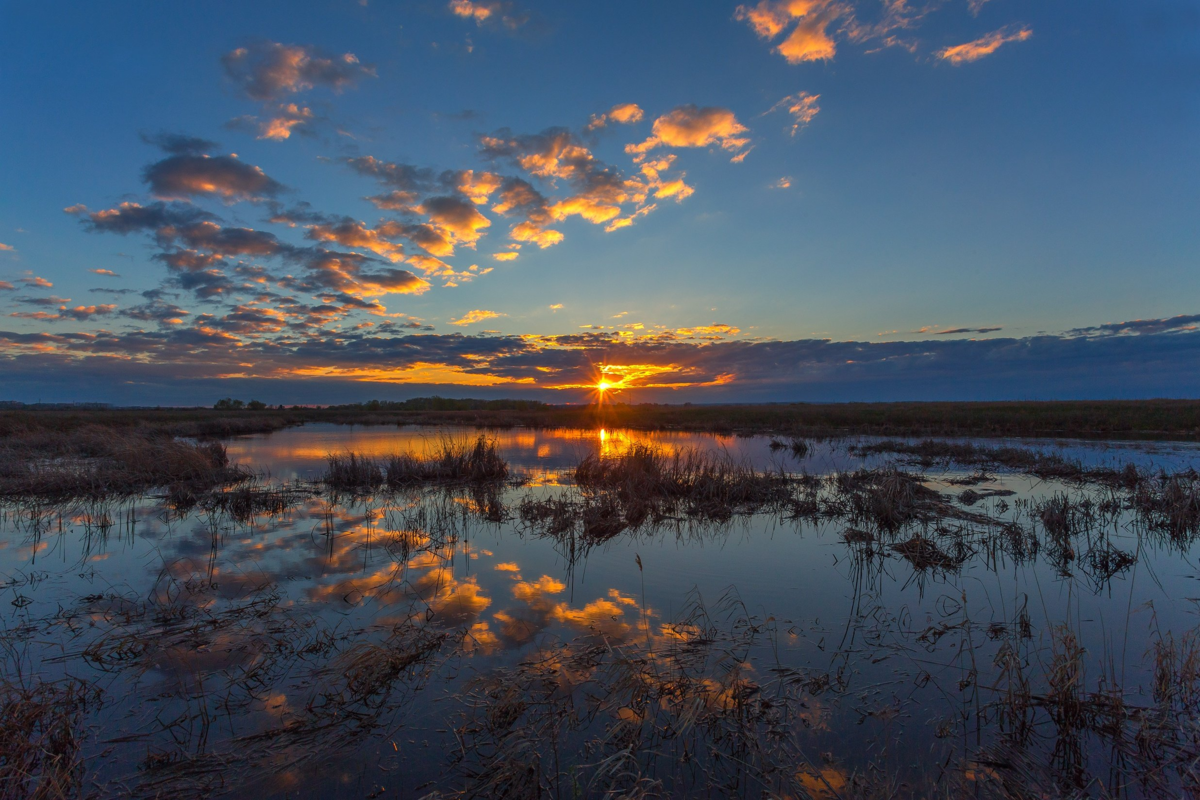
<point x="1111" y="419"/>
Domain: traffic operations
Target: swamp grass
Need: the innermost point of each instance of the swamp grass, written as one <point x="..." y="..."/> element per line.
<point x="452" y="461"/>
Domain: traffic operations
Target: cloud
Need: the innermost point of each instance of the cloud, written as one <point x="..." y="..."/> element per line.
<point x="783" y="183"/>
<point x="802" y="107"/>
<point x="7" y="248"/>
<point x="270" y="70"/>
<point x="690" y="126"/>
<point x="182" y="177"/>
<point x="106" y="272"/>
<point x="36" y="282"/>
<point x="485" y="12"/>
<point x="510" y="255"/>
<point x="976" y="6"/>
<point x="350" y="233"/>
<point x="985" y="45"/>
<point x="284" y="120"/>
<point x="7" y="286"/>
<point x="78" y="313"/>
<point x="457" y="219"/>
<point x="179" y="144"/>
<point x="180" y="362"/>
<point x="133" y="217"/>
<point x="809" y="39"/>
<point x="623" y="114"/>
<point x="404" y="177"/>
<point x="1184" y="323"/>
<point x="953" y="331"/>
<point x="477" y="315"/>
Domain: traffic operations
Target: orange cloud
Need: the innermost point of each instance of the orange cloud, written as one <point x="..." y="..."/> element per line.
<point x="535" y="234"/>
<point x="488" y="11"/>
<point x="623" y="114"/>
<point x="984" y="46"/>
<point x="107" y="272"/>
<point x="478" y="186"/>
<point x="287" y="117"/>
<point x="476" y="315"/>
<point x="802" y="107"/>
<point x="689" y="126"/>
<point x="356" y="234"/>
<point x="508" y="256"/>
<point x="7" y="248"/>
<point x="809" y="40"/>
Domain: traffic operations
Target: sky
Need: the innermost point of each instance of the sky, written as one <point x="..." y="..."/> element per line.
<point x="688" y="201"/>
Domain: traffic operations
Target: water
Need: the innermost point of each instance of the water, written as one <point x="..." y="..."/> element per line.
<point x="245" y="658"/>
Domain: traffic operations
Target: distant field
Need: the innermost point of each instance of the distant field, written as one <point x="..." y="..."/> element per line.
<point x="1149" y="419"/>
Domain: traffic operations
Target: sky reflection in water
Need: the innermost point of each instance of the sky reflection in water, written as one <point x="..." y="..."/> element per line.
<point x="374" y="564"/>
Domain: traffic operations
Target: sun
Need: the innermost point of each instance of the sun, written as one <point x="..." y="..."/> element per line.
<point x="603" y="386"/>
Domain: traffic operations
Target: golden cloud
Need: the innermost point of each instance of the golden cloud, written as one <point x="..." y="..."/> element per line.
<point x="985" y="45"/>
<point x="690" y="126"/>
<point x="809" y="40"/>
<point x="802" y="107"/>
<point x="476" y="315"/>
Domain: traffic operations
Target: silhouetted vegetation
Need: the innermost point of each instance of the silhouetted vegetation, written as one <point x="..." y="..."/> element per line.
<point x="1145" y="419"/>
<point x="452" y="462"/>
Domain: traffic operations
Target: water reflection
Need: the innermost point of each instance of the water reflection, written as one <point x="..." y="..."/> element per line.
<point x="291" y="649"/>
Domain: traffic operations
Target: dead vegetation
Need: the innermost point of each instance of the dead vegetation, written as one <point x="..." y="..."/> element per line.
<point x="453" y="461"/>
<point x="97" y="463"/>
<point x="40" y="733"/>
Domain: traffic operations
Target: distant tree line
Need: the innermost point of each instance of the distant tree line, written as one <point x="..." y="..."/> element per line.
<point x="415" y="404"/>
<point x="229" y="404"/>
<point x="444" y="404"/>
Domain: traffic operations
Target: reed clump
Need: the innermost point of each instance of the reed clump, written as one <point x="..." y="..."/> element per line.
<point x="1170" y="503"/>
<point x="645" y="481"/>
<point x="453" y="461"/>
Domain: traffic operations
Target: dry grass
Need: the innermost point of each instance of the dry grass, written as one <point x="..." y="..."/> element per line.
<point x="453" y="461"/>
<point x="98" y="463"/>
<point x="40" y="740"/>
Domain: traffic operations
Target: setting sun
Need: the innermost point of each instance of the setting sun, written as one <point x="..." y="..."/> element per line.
<point x="603" y="386"/>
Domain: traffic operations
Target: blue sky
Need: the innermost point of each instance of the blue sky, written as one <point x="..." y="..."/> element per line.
<point x="1021" y="172"/>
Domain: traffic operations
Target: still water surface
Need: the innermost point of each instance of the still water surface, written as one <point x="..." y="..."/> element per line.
<point x="910" y="654"/>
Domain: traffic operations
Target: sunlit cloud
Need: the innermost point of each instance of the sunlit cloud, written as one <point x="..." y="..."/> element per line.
<point x="7" y="248"/>
<point x="622" y="114"/>
<point x="801" y="107"/>
<point x="690" y="126"/>
<point x="809" y="40"/>
<point x="106" y="272"/>
<point x="976" y="6"/>
<point x="509" y="255"/>
<point x="476" y="316"/>
<point x="489" y="11"/>
<point x="985" y="45"/>
<point x="286" y="118"/>
<point x="783" y="183"/>
<point x="269" y="70"/>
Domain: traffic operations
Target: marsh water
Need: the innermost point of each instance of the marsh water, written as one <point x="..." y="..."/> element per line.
<point x="374" y="646"/>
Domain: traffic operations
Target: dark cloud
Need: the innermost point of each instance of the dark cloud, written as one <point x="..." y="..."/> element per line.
<point x="966" y="330"/>
<point x="133" y="217"/>
<point x="405" y="177"/>
<point x="178" y="144"/>
<point x="185" y="176"/>
<point x="270" y="70"/>
<point x="1179" y="324"/>
<point x="1040" y="367"/>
